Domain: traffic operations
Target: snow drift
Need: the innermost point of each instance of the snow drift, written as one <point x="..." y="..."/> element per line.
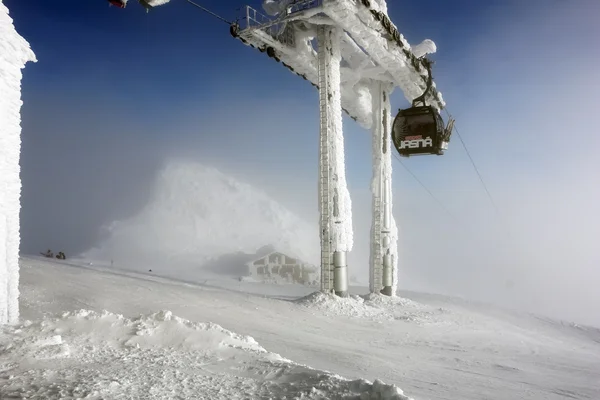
<point x="86" y="354"/>
<point x="376" y="307"/>
<point x="197" y="214"/>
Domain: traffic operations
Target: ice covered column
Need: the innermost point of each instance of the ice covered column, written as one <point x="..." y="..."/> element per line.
<point x="384" y="233"/>
<point x="14" y="53"/>
<point x="334" y="198"/>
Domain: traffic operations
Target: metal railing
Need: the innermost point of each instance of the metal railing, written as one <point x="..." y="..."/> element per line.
<point x="256" y="21"/>
<point x="276" y="26"/>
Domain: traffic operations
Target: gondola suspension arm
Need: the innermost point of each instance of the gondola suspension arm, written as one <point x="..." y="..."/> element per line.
<point x="429" y="83"/>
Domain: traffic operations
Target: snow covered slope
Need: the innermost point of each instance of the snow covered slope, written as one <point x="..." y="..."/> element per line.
<point x="197" y="214"/>
<point x="430" y="346"/>
<point x="14" y="54"/>
<point x="85" y="354"/>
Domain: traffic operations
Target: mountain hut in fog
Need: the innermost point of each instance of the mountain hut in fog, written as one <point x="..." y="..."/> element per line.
<point x="279" y="267"/>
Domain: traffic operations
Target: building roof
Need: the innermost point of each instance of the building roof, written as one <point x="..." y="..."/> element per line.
<point x="276" y="252"/>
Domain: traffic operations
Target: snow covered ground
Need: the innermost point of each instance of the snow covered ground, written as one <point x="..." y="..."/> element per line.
<point x="86" y="354"/>
<point x="430" y="346"/>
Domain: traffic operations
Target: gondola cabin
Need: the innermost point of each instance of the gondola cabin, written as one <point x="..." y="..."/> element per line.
<point x="118" y="3"/>
<point x="420" y="131"/>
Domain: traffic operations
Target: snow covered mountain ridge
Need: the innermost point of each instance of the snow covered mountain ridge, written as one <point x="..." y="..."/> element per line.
<point x="197" y="214"/>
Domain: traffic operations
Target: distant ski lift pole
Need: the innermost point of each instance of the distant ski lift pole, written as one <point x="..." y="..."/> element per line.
<point x="420" y="130"/>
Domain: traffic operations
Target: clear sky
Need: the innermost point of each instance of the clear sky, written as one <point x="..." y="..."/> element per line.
<point x="116" y="92"/>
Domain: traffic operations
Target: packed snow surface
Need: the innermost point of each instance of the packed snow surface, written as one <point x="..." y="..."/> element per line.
<point x="14" y="53"/>
<point x="432" y="347"/>
<point x="86" y="354"/>
<point x="197" y="214"/>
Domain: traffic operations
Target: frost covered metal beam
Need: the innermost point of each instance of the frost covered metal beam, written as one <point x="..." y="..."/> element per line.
<point x="293" y="48"/>
<point x="384" y="233"/>
<point x="334" y="198"/>
<point x="14" y="54"/>
<point x="361" y="20"/>
<point x="368" y="36"/>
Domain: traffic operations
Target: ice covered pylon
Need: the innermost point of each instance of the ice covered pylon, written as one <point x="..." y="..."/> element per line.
<point x="375" y="58"/>
<point x="334" y="197"/>
<point x="384" y="233"/>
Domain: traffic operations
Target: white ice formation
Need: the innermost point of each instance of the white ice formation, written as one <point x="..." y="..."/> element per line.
<point x="424" y="48"/>
<point x="14" y="54"/>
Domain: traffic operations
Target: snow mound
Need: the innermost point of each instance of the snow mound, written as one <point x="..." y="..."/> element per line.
<point x="376" y="307"/>
<point x="351" y="306"/>
<point x="375" y="299"/>
<point x="93" y="355"/>
<point x="197" y="214"/>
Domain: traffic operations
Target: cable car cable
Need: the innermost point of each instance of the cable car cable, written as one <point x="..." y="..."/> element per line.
<point x="438" y="201"/>
<point x="489" y="195"/>
<point x="206" y="10"/>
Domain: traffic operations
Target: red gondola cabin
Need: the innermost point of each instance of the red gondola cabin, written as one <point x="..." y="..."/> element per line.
<point x="118" y="3"/>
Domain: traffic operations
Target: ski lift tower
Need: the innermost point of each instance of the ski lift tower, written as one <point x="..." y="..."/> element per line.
<point x="358" y="59"/>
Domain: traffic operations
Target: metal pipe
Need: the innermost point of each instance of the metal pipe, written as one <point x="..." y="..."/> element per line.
<point x="340" y="274"/>
<point x="387" y="217"/>
<point x="387" y="275"/>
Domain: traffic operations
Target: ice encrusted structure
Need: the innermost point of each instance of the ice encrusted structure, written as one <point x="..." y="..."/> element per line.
<point x="14" y="54"/>
<point x="341" y="230"/>
<point x="367" y="65"/>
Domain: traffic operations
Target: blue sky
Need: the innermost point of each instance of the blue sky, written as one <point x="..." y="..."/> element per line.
<point x="116" y="92"/>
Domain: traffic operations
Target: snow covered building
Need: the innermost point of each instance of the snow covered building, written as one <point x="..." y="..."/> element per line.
<point x="279" y="267"/>
<point x="14" y="54"/>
